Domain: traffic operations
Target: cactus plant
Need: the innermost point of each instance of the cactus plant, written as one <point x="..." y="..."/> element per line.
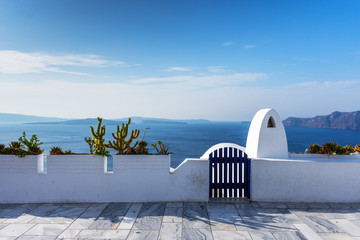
<point x="68" y="152"/>
<point x="120" y="143"/>
<point x="161" y="148"/>
<point x="142" y="147"/>
<point x="32" y="145"/>
<point x="89" y="141"/>
<point x="56" y="151"/>
<point x="17" y="149"/>
<point x="5" y="150"/>
<point x="98" y="138"/>
<point x="59" y="151"/>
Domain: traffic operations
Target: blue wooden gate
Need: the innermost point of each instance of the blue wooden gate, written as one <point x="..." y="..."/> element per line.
<point x="229" y="173"/>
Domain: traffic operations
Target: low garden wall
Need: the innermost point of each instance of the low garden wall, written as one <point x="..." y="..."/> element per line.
<point x="85" y="178"/>
<point x="306" y="178"/>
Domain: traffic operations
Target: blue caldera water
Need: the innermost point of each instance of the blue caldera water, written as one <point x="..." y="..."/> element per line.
<point x="185" y="140"/>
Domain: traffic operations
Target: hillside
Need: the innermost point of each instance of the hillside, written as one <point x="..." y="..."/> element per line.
<point x="20" y="118"/>
<point x="335" y="120"/>
<point x="31" y="119"/>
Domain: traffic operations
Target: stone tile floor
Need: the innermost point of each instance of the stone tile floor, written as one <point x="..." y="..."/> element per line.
<point x="226" y="219"/>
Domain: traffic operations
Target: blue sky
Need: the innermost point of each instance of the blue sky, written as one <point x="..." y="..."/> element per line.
<point x="219" y="60"/>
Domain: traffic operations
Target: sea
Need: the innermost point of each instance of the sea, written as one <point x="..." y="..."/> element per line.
<point x="184" y="140"/>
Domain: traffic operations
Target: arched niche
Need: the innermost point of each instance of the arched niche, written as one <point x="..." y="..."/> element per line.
<point x="271" y="122"/>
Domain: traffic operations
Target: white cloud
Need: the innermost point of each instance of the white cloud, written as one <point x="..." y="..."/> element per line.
<point x="14" y="62"/>
<point x="304" y="59"/>
<point x="308" y="84"/>
<point x="341" y="84"/>
<point x="327" y="84"/>
<point x="225" y="44"/>
<point x="248" y="46"/>
<point x="178" y="69"/>
<point x="215" y="80"/>
<point x="216" y="69"/>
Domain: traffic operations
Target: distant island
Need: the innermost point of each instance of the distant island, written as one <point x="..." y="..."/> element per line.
<point x="30" y="119"/>
<point x="20" y="118"/>
<point x="335" y="120"/>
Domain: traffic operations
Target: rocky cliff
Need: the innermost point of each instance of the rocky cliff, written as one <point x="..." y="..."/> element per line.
<point x="336" y="120"/>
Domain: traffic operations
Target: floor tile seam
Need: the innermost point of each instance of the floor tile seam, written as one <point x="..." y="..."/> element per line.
<point x="343" y="228"/>
<point x="134" y="217"/>
<point x="96" y="218"/>
<point x="242" y="217"/>
<point x="132" y="226"/>
<point x="36" y="205"/>
<point x="28" y="229"/>
<point x="73" y="220"/>
<point x="182" y="222"/>
<point x="272" y="234"/>
<point x="51" y="212"/>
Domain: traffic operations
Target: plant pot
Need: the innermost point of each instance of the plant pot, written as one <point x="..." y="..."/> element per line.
<point x="76" y="164"/>
<point x="29" y="164"/>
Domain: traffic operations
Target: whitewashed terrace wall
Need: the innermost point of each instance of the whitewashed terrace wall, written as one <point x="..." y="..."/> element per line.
<point x="277" y="175"/>
<point x="306" y="179"/>
<point x="84" y="178"/>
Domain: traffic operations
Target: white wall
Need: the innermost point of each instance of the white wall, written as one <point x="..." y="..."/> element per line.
<point x="277" y="175"/>
<point x="306" y="179"/>
<point x="83" y="178"/>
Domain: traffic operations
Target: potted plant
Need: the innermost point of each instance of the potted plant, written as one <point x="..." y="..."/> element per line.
<point x="22" y="156"/>
<point x="333" y="150"/>
<point x="60" y="162"/>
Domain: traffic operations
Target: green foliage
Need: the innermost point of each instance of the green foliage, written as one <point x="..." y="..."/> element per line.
<point x="357" y="148"/>
<point x="89" y="141"/>
<point x="330" y="148"/>
<point x="333" y="148"/>
<point x="68" y="152"/>
<point x="161" y="148"/>
<point x="348" y="149"/>
<point x="121" y="144"/>
<point x="17" y="148"/>
<point x="32" y="145"/>
<point x="56" y="151"/>
<point x="98" y="138"/>
<point x="59" y="151"/>
<point x="314" y="148"/>
<point x="142" y="147"/>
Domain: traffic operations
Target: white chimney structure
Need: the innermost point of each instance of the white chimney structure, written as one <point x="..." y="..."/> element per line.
<point x="267" y="137"/>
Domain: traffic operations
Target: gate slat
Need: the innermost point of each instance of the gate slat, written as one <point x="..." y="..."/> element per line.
<point x="231" y="159"/>
<point x="247" y="179"/>
<point x="239" y="183"/>
<point x="236" y="151"/>
<point x="216" y="173"/>
<point x="221" y="186"/>
<point x="225" y="164"/>
<point x="211" y="175"/>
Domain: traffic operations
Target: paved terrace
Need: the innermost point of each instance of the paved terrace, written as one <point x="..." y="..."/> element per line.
<point x="190" y="220"/>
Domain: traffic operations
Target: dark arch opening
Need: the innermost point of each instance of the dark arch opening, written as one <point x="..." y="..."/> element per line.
<point x="271" y="123"/>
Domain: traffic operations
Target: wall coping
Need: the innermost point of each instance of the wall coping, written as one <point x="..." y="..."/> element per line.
<point x="205" y="156"/>
<point x="326" y="158"/>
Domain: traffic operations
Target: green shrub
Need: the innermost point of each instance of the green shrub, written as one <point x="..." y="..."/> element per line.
<point x="333" y="148"/>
